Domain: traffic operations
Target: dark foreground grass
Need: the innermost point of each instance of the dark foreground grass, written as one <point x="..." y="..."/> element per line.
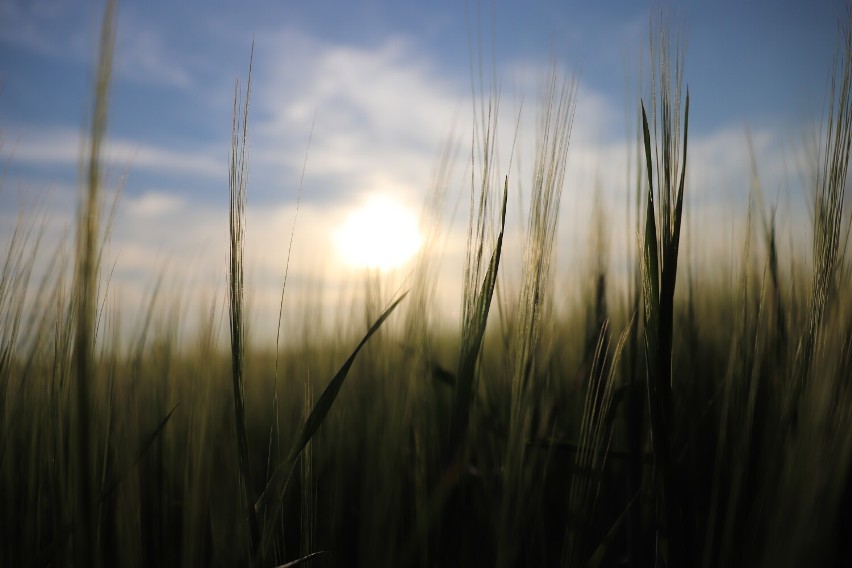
<point x="700" y="424"/>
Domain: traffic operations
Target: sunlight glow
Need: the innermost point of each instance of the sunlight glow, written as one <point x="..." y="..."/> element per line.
<point x="381" y="234"/>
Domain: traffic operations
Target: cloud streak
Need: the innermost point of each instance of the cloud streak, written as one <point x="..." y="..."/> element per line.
<point x="61" y="146"/>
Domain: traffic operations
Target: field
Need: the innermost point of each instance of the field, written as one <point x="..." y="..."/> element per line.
<point x="681" y="417"/>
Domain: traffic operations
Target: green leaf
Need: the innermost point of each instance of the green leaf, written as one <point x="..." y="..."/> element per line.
<point x="472" y="343"/>
<point x="651" y="277"/>
<point x="270" y="499"/>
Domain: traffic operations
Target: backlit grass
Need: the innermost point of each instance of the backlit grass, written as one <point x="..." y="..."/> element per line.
<point x="678" y="418"/>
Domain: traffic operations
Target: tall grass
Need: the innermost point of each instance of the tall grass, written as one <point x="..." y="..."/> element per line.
<point x="85" y="292"/>
<point x="817" y="409"/>
<point x="527" y="354"/>
<point x="829" y="191"/>
<point x="480" y="278"/>
<point x="237" y="182"/>
<point x="534" y="450"/>
<point x="664" y="214"/>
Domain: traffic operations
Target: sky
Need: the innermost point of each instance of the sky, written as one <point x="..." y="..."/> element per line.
<point x="360" y="98"/>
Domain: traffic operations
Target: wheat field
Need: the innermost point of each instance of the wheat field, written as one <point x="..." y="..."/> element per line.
<point x="671" y="416"/>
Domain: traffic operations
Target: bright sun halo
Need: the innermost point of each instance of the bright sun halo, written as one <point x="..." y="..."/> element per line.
<point x="381" y="234"/>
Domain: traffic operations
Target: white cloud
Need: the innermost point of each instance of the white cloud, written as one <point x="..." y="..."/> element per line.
<point x="62" y="146"/>
<point x="381" y="113"/>
<point x="153" y="204"/>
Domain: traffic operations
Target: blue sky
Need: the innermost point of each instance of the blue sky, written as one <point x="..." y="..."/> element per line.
<point x="383" y="83"/>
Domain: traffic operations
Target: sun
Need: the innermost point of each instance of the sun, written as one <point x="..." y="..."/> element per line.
<point x="381" y="234"/>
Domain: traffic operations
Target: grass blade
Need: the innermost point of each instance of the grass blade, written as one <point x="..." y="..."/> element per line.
<point x="85" y="291"/>
<point x="46" y="556"/>
<point x="304" y="559"/>
<point x="111" y="486"/>
<point x="660" y="253"/>
<point x="238" y="182"/>
<point x="269" y="503"/>
<point x="472" y="343"/>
